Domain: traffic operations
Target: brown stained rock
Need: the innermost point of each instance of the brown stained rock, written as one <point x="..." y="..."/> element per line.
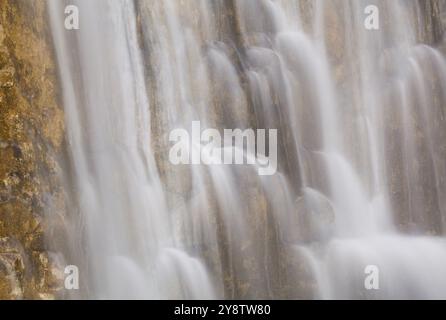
<point x="433" y="26"/>
<point x="11" y="270"/>
<point x="31" y="137"/>
<point x="334" y="31"/>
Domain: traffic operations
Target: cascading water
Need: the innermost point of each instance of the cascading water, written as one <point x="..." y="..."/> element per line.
<point x="361" y="149"/>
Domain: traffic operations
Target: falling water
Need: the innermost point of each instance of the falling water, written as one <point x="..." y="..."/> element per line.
<point x="361" y="176"/>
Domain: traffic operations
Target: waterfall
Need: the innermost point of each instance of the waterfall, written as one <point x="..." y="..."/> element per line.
<point x="361" y="149"/>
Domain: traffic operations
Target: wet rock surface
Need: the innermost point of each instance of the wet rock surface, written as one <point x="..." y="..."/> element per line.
<point x="31" y="136"/>
<point x="32" y="206"/>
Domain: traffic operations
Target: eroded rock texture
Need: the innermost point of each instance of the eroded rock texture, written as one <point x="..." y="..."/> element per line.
<point x="31" y="136"/>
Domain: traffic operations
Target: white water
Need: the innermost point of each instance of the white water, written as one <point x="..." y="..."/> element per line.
<point x="362" y="164"/>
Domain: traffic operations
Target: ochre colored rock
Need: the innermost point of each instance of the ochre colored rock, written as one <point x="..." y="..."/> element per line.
<point x="31" y="137"/>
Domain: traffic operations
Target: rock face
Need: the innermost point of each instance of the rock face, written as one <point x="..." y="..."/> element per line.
<point x="32" y="206"/>
<point x="31" y="137"/>
<point x="433" y="28"/>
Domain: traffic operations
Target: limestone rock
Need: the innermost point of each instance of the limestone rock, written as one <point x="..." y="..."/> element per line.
<point x="31" y="139"/>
